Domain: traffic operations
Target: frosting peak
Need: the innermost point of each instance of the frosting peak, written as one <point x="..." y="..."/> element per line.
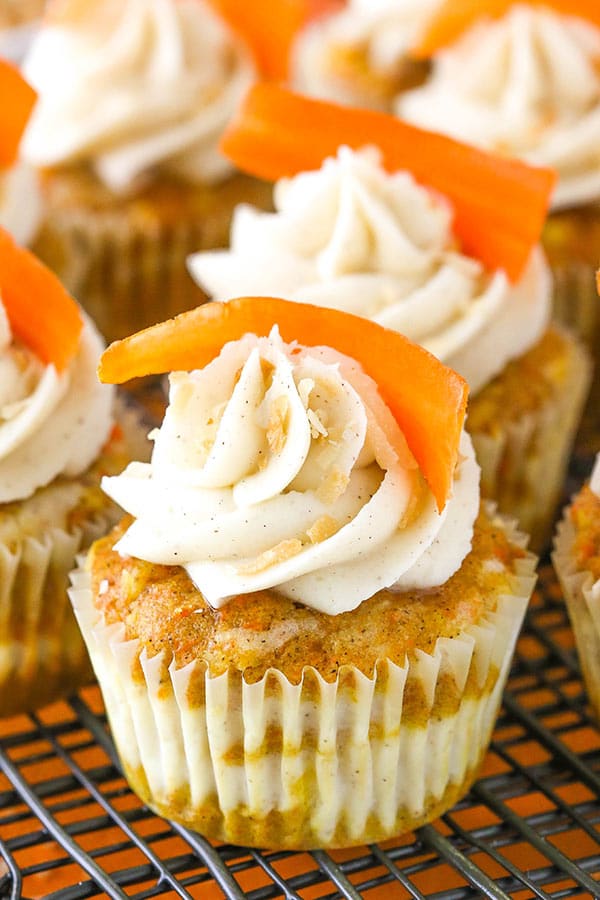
<point x="50" y="423"/>
<point x="275" y="467"/>
<point x="527" y="85"/>
<point x="136" y="84"/>
<point x="353" y="237"/>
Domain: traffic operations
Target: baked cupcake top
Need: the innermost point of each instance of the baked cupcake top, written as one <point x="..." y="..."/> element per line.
<point x="132" y="87"/>
<point x="54" y="416"/>
<point x="375" y="242"/>
<point x="526" y="84"/>
<point x="358" y="55"/>
<point x="20" y="203"/>
<point x="279" y="465"/>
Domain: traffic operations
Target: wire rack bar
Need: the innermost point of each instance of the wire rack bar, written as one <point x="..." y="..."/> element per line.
<point x="61" y="787"/>
<point x="86" y="862"/>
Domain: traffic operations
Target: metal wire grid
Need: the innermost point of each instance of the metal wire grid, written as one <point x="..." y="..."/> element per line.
<point x="70" y="828"/>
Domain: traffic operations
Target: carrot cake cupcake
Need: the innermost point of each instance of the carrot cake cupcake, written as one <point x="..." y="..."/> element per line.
<point x="408" y="233"/>
<point x="57" y="439"/>
<point x="133" y="97"/>
<point x="359" y="55"/>
<point x="303" y="627"/>
<point x="524" y="79"/>
<point x="577" y="562"/>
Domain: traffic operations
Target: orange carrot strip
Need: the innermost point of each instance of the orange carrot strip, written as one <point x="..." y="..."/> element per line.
<point x="454" y="17"/>
<point x="269" y="27"/>
<point x="427" y="398"/>
<point x="500" y="204"/>
<point x="41" y="313"/>
<point x="18" y="99"/>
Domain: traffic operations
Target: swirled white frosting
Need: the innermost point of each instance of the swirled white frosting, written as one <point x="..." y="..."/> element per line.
<point x="20" y="202"/>
<point x="527" y="85"/>
<point x="132" y="85"/>
<point x="275" y="467"/>
<point x="383" y="30"/>
<point x="50" y="424"/>
<point x="353" y="237"/>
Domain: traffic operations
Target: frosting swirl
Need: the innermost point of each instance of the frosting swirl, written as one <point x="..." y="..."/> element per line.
<point x="132" y="85"/>
<point x="378" y="32"/>
<point x="353" y="237"/>
<point x="50" y="424"/>
<point x="526" y="85"/>
<point x="275" y="467"/>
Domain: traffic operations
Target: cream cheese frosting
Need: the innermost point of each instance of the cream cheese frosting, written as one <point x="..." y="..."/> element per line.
<point x="275" y="467"/>
<point x="51" y="423"/>
<point x="20" y="202"/>
<point x="526" y="85"/>
<point x="130" y="86"/>
<point x="351" y="236"/>
<point x="382" y="30"/>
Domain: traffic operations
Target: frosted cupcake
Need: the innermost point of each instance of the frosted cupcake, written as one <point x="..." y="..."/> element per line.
<point x="423" y="259"/>
<point x="359" y="55"/>
<point x="20" y="202"/>
<point x="303" y="634"/>
<point x="577" y="562"/>
<point x="524" y="79"/>
<point x="57" y="439"/>
<point x="133" y="97"/>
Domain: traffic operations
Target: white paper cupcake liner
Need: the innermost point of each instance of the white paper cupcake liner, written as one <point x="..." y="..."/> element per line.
<point x="42" y="653"/>
<point x="316" y="764"/>
<point x="576" y="302"/>
<point x="582" y="596"/>
<point x="524" y="461"/>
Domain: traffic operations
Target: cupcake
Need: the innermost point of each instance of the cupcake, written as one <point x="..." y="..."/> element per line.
<point x="18" y="22"/>
<point x="418" y="246"/>
<point x="57" y="439"/>
<point x="133" y="97"/>
<point x="20" y="203"/>
<point x="303" y="626"/>
<point x="577" y="562"/>
<point x="359" y="55"/>
<point x="524" y="79"/>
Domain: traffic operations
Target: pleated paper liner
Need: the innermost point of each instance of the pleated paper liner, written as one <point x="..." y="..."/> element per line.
<point x="42" y="654"/>
<point x="582" y="596"/>
<point x="314" y="764"/>
<point x="124" y="258"/>
<point x="523" y="425"/>
<point x="571" y="240"/>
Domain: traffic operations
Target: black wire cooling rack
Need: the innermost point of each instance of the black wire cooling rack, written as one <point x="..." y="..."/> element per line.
<point x="530" y="827"/>
<point x="70" y="828"/>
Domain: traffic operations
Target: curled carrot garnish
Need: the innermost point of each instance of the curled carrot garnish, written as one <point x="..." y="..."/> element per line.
<point x="427" y="399"/>
<point x="269" y="27"/>
<point x="18" y="99"/>
<point x="40" y="311"/>
<point x="500" y="204"/>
